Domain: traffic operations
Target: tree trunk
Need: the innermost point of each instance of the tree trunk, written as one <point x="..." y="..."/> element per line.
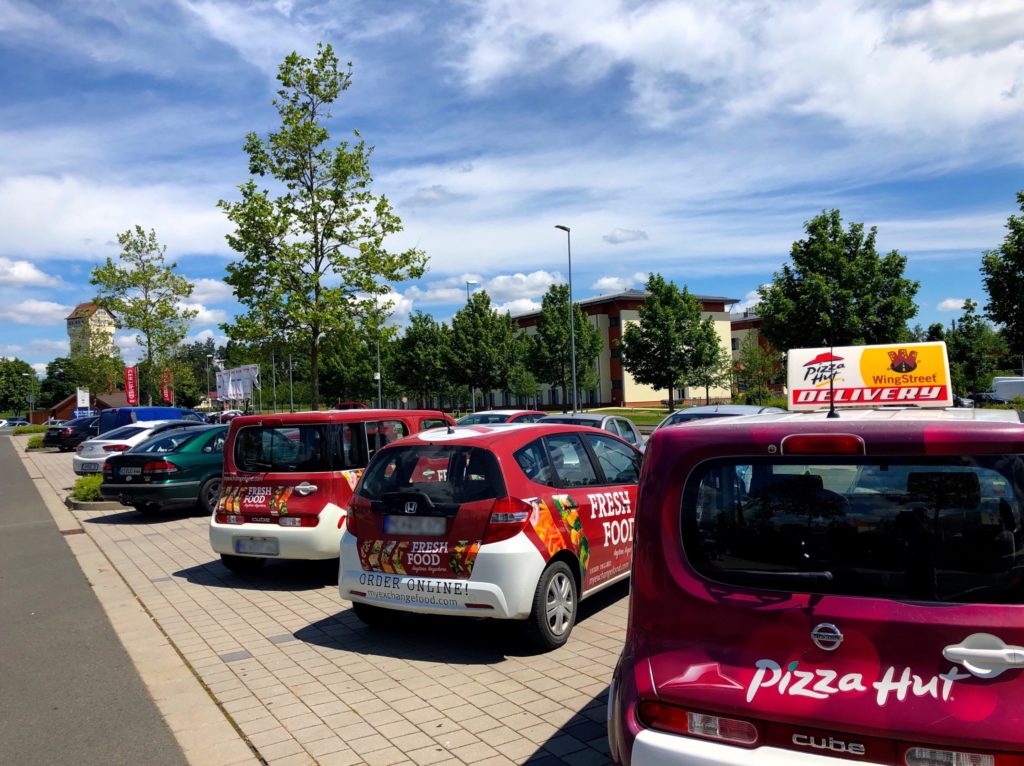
<point x="149" y="370"/>
<point x="671" y="401"/>
<point x="565" y="398"/>
<point x="314" y="371"/>
<point x="707" y="394"/>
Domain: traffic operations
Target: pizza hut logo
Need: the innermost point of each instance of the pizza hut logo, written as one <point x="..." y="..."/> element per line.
<point x="903" y="360"/>
<point x="824" y="367"/>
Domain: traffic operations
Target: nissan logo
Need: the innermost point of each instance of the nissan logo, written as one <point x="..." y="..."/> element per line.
<point x="410" y="507"/>
<point x="826" y="636"/>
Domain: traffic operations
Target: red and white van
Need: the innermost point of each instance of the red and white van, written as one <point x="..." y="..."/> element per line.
<point x="815" y="588"/>
<point x="288" y="479"/>
<point x="507" y="521"/>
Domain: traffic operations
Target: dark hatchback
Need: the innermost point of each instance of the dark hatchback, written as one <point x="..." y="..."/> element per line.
<point x="183" y="466"/>
<point x="69" y="435"/>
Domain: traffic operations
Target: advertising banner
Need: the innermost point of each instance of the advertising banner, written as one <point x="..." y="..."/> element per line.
<point x="908" y="374"/>
<point x="131" y="385"/>
<point x="83" y="398"/>
<point x="238" y="382"/>
<point x="166" y="386"/>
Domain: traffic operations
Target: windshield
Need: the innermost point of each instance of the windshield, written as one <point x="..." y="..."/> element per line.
<point x="482" y="418"/>
<point x="948" y="529"/>
<point x="163" y="444"/>
<point x="298" y="449"/>
<point x="446" y="474"/>
<point x="124" y="432"/>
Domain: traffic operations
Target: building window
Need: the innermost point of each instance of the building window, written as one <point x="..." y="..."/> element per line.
<point x="616" y="353"/>
<point x="614" y="321"/>
<point x="735" y="344"/>
<point x="617" y="383"/>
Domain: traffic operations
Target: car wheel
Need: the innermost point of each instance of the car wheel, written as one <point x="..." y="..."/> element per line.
<point x="554" y="607"/>
<point x="375" y="616"/>
<point x="209" y="494"/>
<point x="147" y="509"/>
<point x="241" y="564"/>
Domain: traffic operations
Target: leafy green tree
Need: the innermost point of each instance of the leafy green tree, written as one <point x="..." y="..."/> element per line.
<point x="711" y="362"/>
<point x="17" y="381"/>
<point x="313" y="256"/>
<point x="521" y="379"/>
<point x="1002" y="272"/>
<point x="144" y="293"/>
<point x="482" y="347"/>
<point x="551" y="360"/>
<point x="658" y="350"/>
<point x="975" y="351"/>
<point x="838" y="290"/>
<point x="60" y="382"/>
<point x="757" y="368"/>
<point x="423" y="350"/>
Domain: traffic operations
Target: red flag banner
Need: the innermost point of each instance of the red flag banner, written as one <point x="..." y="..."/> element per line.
<point x="131" y="385"/>
<point x="166" y="386"/>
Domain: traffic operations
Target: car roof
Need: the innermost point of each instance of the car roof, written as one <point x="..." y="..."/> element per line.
<point x="498" y="412"/>
<point x="498" y="434"/>
<point x="727" y="409"/>
<point x="578" y="416"/>
<point x="332" y="416"/>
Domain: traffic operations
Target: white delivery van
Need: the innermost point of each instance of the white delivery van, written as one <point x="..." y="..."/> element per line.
<point x="1008" y="388"/>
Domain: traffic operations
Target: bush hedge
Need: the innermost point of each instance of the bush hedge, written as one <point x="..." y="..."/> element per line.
<point x="34" y="442"/>
<point x="30" y="430"/>
<point x="87" y="488"/>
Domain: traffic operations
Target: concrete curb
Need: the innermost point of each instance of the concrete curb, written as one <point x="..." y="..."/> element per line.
<point x="95" y="505"/>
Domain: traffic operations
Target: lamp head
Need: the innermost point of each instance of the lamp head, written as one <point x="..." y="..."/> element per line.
<point x="563" y="228"/>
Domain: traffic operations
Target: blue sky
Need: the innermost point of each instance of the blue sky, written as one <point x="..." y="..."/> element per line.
<point x="688" y="138"/>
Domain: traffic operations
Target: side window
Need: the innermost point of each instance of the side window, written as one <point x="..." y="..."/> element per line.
<point x="533" y="459"/>
<point x="216" y="444"/>
<point x="619" y="463"/>
<point x="570" y="461"/>
<point x="383" y="432"/>
<point x="353" y="446"/>
<point x="428" y="423"/>
<point x="626" y="431"/>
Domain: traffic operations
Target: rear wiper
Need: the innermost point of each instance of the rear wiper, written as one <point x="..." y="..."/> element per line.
<point x="822" y="576"/>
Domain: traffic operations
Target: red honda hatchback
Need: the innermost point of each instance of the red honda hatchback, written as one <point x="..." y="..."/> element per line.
<point x="509" y="521"/>
<point x="810" y="590"/>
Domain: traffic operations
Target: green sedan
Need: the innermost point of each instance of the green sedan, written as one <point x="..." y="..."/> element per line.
<point x="179" y="467"/>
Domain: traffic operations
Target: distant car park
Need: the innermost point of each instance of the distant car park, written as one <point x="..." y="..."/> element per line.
<point x="92" y="454"/>
<point x="72" y="433"/>
<point x="494" y="417"/>
<point x="705" y="412"/>
<point x="614" y="424"/>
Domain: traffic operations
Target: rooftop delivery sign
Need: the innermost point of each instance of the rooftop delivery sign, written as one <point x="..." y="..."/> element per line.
<point x="910" y="374"/>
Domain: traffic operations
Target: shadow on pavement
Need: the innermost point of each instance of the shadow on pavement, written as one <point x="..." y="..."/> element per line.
<point x="438" y="638"/>
<point x="132" y="517"/>
<point x="272" y="576"/>
<point x="582" y="740"/>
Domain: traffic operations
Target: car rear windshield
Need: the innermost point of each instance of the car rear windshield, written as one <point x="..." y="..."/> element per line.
<point x="948" y="529"/>
<point x="283" y="449"/>
<point x="124" y="432"/>
<point x="446" y="474"/>
<point x="164" y="444"/>
<point x="483" y="418"/>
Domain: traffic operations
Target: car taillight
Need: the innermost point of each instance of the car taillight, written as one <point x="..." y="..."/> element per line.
<point x="356" y="506"/>
<point x="108" y="468"/>
<point x="915" y="755"/>
<point x="65" y="432"/>
<point x="298" y="521"/>
<point x="80" y="447"/>
<point x="822" y="444"/>
<point x="230" y="518"/>
<point x="677" y="720"/>
<point x="115" y="447"/>
<point x="508" y="517"/>
<point x="159" y="466"/>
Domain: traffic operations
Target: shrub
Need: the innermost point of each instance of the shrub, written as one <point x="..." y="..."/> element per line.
<point x="35" y="442"/>
<point x="87" y="488"/>
<point x="30" y="430"/>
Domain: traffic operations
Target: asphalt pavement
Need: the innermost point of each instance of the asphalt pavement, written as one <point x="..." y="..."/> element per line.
<point x="69" y="693"/>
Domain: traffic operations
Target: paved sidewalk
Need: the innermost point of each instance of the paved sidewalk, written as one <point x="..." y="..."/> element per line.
<point x="305" y="682"/>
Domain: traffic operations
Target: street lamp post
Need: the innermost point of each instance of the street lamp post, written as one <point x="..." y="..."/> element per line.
<point x="472" y="388"/>
<point x="572" y="320"/>
<point x="209" y="399"/>
<point x="31" y="394"/>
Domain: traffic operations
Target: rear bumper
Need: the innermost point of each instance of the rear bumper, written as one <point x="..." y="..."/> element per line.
<point x="655" y="748"/>
<point x="502" y="585"/>
<point x="171" y="492"/>
<point x="305" y="543"/>
<point x="80" y="465"/>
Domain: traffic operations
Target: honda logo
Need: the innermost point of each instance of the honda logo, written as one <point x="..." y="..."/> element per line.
<point x="410" y="507"/>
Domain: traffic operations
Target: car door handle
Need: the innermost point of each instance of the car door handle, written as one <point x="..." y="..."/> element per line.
<point x="985" y="655"/>
<point x="306" y="488"/>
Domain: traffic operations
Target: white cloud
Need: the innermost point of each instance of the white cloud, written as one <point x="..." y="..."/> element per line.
<point x="204" y="335"/>
<point x="131" y="350"/>
<point x="399" y="307"/>
<point x="430" y="197"/>
<point x="35" y="312"/>
<point x="951" y="304"/>
<point x="504" y="287"/>
<point x="207" y="291"/>
<point x="204" y="315"/>
<point x="610" y="284"/>
<point x="749" y="302"/>
<point x="618" y="236"/>
<point x="519" y="306"/>
<point x="24" y="274"/>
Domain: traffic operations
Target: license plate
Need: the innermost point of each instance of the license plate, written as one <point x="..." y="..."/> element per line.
<point x="131" y="471"/>
<point x="415" y="525"/>
<point x="261" y="546"/>
<point x="90" y="467"/>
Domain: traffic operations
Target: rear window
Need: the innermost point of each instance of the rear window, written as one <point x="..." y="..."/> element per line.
<point x="163" y="444"/>
<point x="946" y="530"/>
<point x="283" y="449"/>
<point x="446" y="474"/>
<point x="124" y="432"/>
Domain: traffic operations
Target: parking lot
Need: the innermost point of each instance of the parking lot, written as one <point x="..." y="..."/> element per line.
<point x="302" y="681"/>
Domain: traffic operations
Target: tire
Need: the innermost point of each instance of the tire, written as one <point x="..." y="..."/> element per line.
<point x="241" y="564"/>
<point x="375" y="616"/>
<point x="209" y="493"/>
<point x="554" y="607"/>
